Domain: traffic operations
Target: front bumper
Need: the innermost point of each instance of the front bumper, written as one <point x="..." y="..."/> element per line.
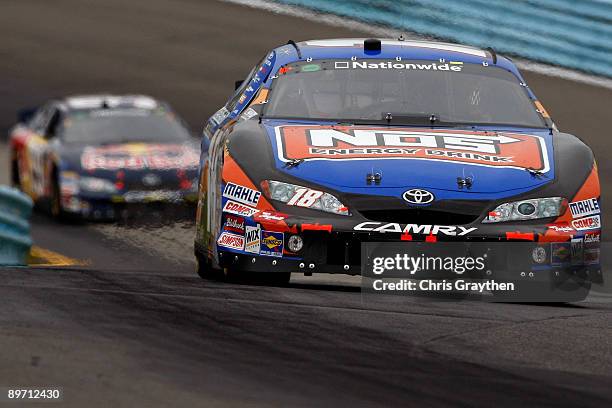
<point x="333" y="245"/>
<point x="130" y="204"/>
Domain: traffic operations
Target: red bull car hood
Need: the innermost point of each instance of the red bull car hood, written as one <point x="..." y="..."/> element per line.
<point x="139" y="156"/>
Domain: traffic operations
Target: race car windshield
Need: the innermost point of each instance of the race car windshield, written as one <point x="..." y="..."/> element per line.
<point x="122" y="126"/>
<point x="367" y="90"/>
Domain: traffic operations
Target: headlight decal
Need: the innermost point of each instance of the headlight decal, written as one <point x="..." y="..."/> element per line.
<point x="300" y="196"/>
<point x="530" y="209"/>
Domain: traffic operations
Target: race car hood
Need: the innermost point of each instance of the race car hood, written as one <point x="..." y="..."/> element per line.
<point x="129" y="157"/>
<point x="342" y="157"/>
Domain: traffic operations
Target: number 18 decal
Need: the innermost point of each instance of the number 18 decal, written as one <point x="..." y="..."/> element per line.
<point x="304" y="197"/>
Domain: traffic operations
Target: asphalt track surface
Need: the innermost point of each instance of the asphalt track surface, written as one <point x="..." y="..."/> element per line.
<point x="134" y="326"/>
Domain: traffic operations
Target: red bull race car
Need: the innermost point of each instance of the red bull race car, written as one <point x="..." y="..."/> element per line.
<point x="97" y="157"/>
<point x="328" y="144"/>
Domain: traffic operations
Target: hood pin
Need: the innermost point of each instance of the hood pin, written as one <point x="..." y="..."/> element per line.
<point x="373" y="178"/>
<point x="465" y="182"/>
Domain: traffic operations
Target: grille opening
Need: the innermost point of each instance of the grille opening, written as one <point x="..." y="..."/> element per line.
<point x="342" y="248"/>
<point x="331" y="249"/>
<point x="420" y="216"/>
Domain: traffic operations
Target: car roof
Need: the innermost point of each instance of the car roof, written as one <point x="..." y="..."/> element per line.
<point x="344" y="48"/>
<point x="389" y="47"/>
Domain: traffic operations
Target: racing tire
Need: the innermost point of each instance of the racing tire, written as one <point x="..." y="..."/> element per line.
<point x="55" y="204"/>
<point x="205" y="270"/>
<point x="15" y="179"/>
<point x="257" y="278"/>
<point x="277" y="278"/>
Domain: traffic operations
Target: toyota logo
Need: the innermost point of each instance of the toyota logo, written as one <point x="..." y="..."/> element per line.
<point x="418" y="196"/>
<point x="151" y="180"/>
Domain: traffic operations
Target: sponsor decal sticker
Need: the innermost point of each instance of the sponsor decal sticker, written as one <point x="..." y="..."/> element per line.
<point x="434" y="66"/>
<point x="561" y="228"/>
<point x="241" y="194"/>
<point x="229" y="240"/>
<point x="69" y="183"/>
<point x="234" y="224"/>
<point x="248" y="114"/>
<point x="252" y="239"/>
<point x="220" y="116"/>
<point x="560" y="253"/>
<point x="139" y="156"/>
<point x="577" y="251"/>
<point x="449" y="230"/>
<point x="270" y="216"/>
<point x="584" y="207"/>
<point x="305" y="197"/>
<point x="507" y="150"/>
<point x="592" y="249"/>
<point x="272" y="243"/>
<point x="592" y="222"/>
<point x="588" y="238"/>
<point x="591" y="256"/>
<point x="311" y="68"/>
<point x="233" y="207"/>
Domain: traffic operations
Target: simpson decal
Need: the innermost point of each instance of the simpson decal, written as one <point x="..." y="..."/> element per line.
<point x="233" y="207"/>
<point x="252" y="239"/>
<point x="509" y="150"/>
<point x="234" y="224"/>
<point x="587" y="223"/>
<point x="241" y="194"/>
<point x="584" y="207"/>
<point x="231" y="241"/>
<point x="272" y="243"/>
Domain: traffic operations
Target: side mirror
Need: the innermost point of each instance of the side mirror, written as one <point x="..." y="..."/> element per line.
<point x="24" y="115"/>
<point x="237" y="84"/>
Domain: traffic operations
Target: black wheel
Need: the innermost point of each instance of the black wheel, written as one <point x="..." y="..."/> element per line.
<point x="276" y="278"/>
<point x="56" y="199"/>
<point x="257" y="278"/>
<point x="233" y="276"/>
<point x="15" y="181"/>
<point x="205" y="270"/>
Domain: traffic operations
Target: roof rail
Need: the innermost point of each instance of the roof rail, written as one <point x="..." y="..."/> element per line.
<point x="297" y="49"/>
<point x="493" y="54"/>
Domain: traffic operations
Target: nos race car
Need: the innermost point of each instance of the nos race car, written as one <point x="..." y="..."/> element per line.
<point x="331" y="143"/>
<point x="95" y="157"/>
